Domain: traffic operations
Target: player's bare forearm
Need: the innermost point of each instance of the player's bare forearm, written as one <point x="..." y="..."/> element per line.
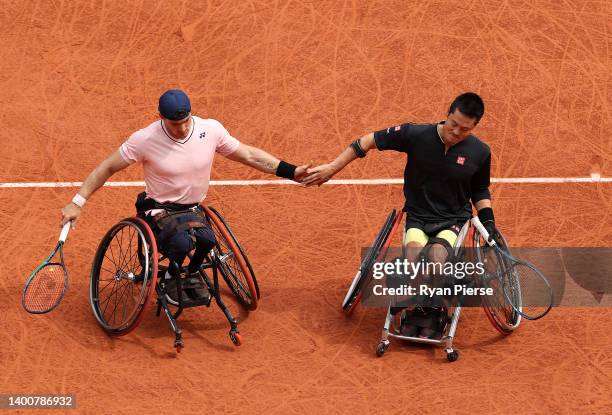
<point x="256" y="158"/>
<point x="95" y="180"/>
<point x="320" y="174"/>
<point x="102" y="173"/>
<point x="348" y="154"/>
<point x="262" y="161"/>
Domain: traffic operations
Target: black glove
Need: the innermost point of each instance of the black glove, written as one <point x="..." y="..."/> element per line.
<point x="488" y="221"/>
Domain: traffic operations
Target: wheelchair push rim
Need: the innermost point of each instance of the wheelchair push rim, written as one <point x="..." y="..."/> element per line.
<point x="234" y="265"/>
<point x="376" y="252"/>
<point x="123" y="276"/>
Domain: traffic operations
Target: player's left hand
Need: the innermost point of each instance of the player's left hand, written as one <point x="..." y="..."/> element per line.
<point x="319" y="175"/>
<point x="300" y="173"/>
<point x="492" y="230"/>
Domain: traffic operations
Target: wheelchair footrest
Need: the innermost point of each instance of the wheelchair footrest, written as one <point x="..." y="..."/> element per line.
<point x="196" y="289"/>
<point x="195" y="302"/>
<point x="432" y="319"/>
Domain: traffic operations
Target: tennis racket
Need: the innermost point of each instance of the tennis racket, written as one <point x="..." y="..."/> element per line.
<point x="524" y="287"/>
<point x="376" y="252"/>
<point x="48" y="283"/>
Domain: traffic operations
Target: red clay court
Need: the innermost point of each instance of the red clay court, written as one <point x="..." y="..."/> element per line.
<point x="301" y="80"/>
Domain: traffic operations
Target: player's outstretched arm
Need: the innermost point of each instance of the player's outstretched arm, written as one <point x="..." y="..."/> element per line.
<point x="263" y="161"/>
<point x="357" y="149"/>
<point x="94" y="181"/>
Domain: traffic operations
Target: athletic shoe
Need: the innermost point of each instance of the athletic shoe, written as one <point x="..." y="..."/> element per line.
<point x="435" y="331"/>
<point x="196" y="288"/>
<point x="407" y="329"/>
<point x="172" y="292"/>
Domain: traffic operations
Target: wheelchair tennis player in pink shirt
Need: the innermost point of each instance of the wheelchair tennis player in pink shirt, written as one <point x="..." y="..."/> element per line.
<point x="177" y="154"/>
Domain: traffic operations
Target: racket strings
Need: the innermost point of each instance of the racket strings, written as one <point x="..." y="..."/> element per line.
<point x="495" y="277"/>
<point x="46" y="288"/>
<point x="531" y="288"/>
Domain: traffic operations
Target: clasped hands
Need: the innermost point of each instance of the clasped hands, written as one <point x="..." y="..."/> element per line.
<point x="314" y="176"/>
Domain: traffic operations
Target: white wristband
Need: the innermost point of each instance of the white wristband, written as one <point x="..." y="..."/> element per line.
<point x="79" y="200"/>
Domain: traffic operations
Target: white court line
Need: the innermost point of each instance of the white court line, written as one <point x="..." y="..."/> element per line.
<point x="333" y="182"/>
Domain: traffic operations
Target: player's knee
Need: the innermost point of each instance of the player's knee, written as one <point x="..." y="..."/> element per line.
<point x="205" y="239"/>
<point x="437" y="254"/>
<point x="438" y="250"/>
<point x="412" y="251"/>
<point x="178" y="246"/>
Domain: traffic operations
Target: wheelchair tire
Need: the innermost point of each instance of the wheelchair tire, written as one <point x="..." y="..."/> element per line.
<point x="382" y="348"/>
<point x="499" y="312"/>
<point x="452" y="356"/>
<point x="376" y="251"/>
<point x="123" y="276"/>
<point x="235" y="267"/>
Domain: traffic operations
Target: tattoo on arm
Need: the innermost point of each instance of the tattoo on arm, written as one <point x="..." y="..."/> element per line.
<point x="265" y="165"/>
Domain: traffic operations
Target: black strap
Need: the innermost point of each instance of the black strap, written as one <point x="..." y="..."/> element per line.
<point x="359" y="151"/>
<point x="486" y="215"/>
<point x="144" y="203"/>
<point x="286" y="170"/>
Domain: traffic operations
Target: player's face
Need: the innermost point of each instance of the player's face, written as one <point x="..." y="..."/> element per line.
<point x="457" y="127"/>
<point x="178" y="129"/>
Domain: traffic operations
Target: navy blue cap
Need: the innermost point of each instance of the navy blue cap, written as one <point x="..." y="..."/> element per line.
<point x="174" y="104"/>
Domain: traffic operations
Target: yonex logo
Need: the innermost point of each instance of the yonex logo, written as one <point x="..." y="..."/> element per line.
<point x="460" y="160"/>
<point x="202" y="135"/>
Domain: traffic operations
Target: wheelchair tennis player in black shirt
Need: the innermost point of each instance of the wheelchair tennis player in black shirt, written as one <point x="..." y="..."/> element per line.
<point x="448" y="171"/>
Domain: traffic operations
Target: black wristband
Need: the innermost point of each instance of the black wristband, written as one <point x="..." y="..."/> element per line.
<point x="285" y="170"/>
<point x="486" y="215"/>
<point x="356" y="146"/>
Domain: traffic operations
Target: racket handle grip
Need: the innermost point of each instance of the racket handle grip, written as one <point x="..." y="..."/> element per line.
<point x="482" y="230"/>
<point x="64" y="232"/>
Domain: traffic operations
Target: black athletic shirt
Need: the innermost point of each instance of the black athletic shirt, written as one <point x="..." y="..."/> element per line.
<point x="439" y="186"/>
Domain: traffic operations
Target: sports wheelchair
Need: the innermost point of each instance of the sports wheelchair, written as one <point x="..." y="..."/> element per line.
<point x="499" y="311"/>
<point x="128" y="268"/>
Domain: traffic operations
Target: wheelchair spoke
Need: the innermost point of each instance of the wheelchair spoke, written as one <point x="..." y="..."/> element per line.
<point x="112" y="253"/>
<point x="118" y="299"/>
<point x="109" y="283"/>
<point x="234" y="266"/>
<point x="123" y="252"/>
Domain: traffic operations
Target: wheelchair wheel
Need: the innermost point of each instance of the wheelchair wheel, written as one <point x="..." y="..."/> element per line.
<point x="376" y="252"/>
<point x="234" y="266"/>
<point x="497" y="307"/>
<point x="123" y="276"/>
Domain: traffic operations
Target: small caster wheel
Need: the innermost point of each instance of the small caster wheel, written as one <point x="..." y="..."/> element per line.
<point x="452" y="356"/>
<point x="382" y="348"/>
<point x="236" y="338"/>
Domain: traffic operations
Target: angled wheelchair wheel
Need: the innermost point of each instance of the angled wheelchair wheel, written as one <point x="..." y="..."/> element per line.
<point x="376" y="251"/>
<point x="234" y="266"/>
<point x="123" y="276"/>
<point x="497" y="307"/>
